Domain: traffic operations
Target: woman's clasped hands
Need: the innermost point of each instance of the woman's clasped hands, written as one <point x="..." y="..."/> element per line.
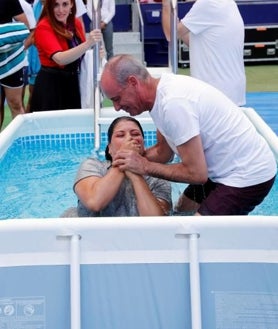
<point x="130" y="157"/>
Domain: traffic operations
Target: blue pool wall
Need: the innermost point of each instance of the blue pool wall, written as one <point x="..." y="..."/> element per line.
<point x="138" y="273"/>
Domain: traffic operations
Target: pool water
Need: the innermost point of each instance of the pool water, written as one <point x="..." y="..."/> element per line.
<point x="37" y="175"/>
<point x="36" y="178"/>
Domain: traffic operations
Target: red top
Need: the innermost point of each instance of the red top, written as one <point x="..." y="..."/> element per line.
<point x="49" y="43"/>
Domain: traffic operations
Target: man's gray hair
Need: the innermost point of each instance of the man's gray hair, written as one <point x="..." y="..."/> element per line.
<point x="122" y="66"/>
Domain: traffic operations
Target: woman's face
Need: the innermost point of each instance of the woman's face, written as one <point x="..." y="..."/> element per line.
<point x="126" y="135"/>
<point x="62" y="9"/>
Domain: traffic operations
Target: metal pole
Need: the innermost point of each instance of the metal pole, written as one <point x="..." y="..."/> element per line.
<point x="195" y="291"/>
<point x="173" y="41"/>
<point x="135" y="27"/>
<point x="75" y="282"/>
<point x="96" y="19"/>
<point x="194" y="277"/>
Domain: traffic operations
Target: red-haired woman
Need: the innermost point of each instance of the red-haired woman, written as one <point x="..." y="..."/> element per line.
<point x="61" y="43"/>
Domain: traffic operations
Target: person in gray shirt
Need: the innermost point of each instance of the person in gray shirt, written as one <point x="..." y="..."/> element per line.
<point x="103" y="190"/>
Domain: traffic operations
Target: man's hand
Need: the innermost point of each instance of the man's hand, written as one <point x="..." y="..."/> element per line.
<point x="102" y="25"/>
<point x="130" y="160"/>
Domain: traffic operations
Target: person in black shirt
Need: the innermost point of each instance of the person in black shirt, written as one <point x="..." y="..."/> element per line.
<point x="12" y="82"/>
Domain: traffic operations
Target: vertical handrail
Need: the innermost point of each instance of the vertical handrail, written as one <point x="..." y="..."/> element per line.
<point x="139" y="11"/>
<point x="173" y="51"/>
<point x="194" y="277"/>
<point x="195" y="290"/>
<point x="75" y="282"/>
<point x="96" y="66"/>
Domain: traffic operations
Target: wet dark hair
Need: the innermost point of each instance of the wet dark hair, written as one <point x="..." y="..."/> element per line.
<point x="112" y="128"/>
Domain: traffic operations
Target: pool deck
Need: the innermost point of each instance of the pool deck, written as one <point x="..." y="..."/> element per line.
<point x="266" y="105"/>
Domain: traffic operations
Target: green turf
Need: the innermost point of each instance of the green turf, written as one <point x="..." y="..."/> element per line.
<point x="259" y="78"/>
<point x="7" y="118"/>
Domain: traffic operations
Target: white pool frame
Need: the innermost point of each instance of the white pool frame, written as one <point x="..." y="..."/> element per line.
<point x="68" y="121"/>
<point x="179" y="240"/>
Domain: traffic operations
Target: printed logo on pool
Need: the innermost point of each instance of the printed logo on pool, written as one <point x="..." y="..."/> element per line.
<point x="22" y="312"/>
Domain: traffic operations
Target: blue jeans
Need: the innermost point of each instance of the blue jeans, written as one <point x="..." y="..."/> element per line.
<point x="107" y="34"/>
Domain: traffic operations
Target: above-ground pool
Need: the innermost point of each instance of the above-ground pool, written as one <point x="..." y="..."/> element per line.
<point x="178" y="272"/>
<point x="41" y="153"/>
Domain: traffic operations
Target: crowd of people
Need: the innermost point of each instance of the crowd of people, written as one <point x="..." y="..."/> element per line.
<point x="228" y="166"/>
<point x="52" y="52"/>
